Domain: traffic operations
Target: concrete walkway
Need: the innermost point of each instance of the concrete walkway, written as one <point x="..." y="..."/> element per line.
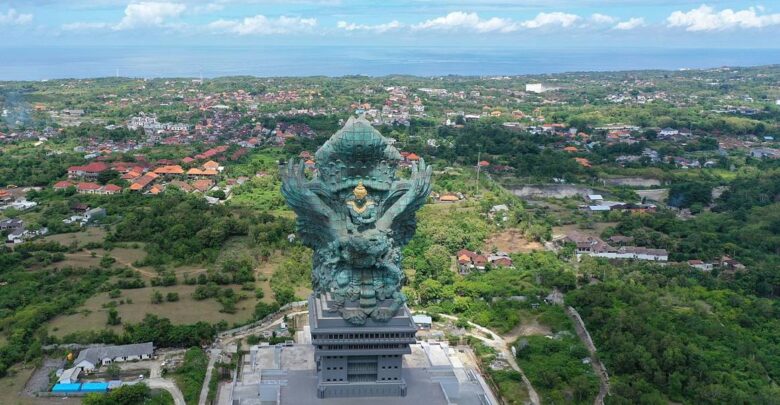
<point x="498" y="343"/>
<point x="204" y="391"/>
<point x="168" y="385"/>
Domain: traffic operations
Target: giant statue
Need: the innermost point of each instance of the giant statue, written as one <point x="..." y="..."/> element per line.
<point x="356" y="213"/>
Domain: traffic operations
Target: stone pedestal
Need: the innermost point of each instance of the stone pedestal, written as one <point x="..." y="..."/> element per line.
<point x="359" y="361"/>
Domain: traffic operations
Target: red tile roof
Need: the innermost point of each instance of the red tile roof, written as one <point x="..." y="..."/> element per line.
<point x="88" y="186"/>
<point x="94" y="167"/>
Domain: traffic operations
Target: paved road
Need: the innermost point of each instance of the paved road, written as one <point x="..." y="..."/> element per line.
<point x="204" y="391"/>
<point x="498" y="343"/>
<point x="168" y="385"/>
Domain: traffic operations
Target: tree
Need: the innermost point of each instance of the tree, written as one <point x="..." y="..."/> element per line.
<point x="106" y="261"/>
<point x="284" y="294"/>
<point x="113" y="317"/>
<point x="157" y="297"/>
<point x="125" y="395"/>
<point x="172" y="296"/>
<point x="113" y="370"/>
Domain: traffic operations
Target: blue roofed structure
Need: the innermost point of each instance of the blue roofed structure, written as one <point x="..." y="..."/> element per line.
<point x="94" y="387"/>
<point x="66" y="387"/>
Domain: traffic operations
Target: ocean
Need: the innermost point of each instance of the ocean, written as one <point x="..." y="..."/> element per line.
<point x="42" y="63"/>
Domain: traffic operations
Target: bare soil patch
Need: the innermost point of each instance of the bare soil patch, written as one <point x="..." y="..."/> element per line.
<point x="512" y="241"/>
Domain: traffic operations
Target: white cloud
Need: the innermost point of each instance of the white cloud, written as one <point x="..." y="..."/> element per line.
<point x="84" y="26"/>
<point x="602" y="18"/>
<point x="630" y="24"/>
<point x="208" y="8"/>
<point x="556" y="18"/>
<point x="378" y="28"/>
<point x="12" y="17"/>
<point x="262" y="25"/>
<point x="705" y="18"/>
<point x="149" y="13"/>
<point x="467" y="21"/>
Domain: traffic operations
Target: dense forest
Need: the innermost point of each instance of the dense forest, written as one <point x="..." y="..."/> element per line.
<point x="673" y="333"/>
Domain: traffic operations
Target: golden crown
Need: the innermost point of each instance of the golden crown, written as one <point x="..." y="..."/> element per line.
<point x="360" y="192"/>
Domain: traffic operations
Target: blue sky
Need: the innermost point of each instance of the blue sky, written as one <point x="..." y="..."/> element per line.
<point x="495" y="23"/>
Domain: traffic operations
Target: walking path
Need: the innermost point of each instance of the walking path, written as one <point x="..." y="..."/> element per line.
<point x="598" y="366"/>
<point x="168" y="385"/>
<point x="500" y="344"/>
<point x="204" y="391"/>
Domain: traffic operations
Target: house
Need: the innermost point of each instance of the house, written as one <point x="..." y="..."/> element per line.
<point x="6" y="196"/>
<point x="142" y="183"/>
<point x="110" y="189"/>
<point x="595" y="246"/>
<point x="11" y="223"/>
<point x="90" y="171"/>
<point x="88" y="188"/>
<point x="202" y="185"/>
<point x="620" y="239"/>
<point x="667" y="132"/>
<point x="20" y="235"/>
<point x="500" y="259"/>
<point x="583" y="162"/>
<point x="422" y="321"/>
<point x="595" y="197"/>
<point x="468" y="260"/>
<point x="181" y="186"/>
<point x="728" y="263"/>
<point x="69" y="376"/>
<point x="212" y="165"/>
<point x="169" y="170"/>
<point x="765" y="153"/>
<point x="90" y="359"/>
<point x="62" y="185"/>
<point x="698" y="264"/>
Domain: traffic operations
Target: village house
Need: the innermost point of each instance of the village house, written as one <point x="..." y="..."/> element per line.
<point x="90" y="359"/>
<point x="20" y="235"/>
<point x="468" y="261"/>
<point x="142" y="183"/>
<point x="727" y="263"/>
<point x="202" y="185"/>
<point x="90" y="171"/>
<point x="594" y="246"/>
<point x="11" y="223"/>
<point x="169" y="171"/>
<point x="698" y="264"/>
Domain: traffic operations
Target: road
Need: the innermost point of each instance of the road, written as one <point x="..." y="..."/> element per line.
<point x="204" y="391"/>
<point x="168" y="385"/>
<point x="500" y="344"/>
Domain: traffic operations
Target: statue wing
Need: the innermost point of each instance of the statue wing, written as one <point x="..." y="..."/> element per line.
<point x="308" y="200"/>
<point x="403" y="202"/>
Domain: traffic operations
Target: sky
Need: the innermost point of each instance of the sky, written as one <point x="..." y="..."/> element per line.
<point x="556" y="24"/>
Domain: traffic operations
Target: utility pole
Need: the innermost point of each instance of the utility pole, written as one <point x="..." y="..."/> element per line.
<point x="479" y="154"/>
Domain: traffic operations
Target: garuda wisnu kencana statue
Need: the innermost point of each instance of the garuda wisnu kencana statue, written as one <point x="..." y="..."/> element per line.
<point x="357" y="214"/>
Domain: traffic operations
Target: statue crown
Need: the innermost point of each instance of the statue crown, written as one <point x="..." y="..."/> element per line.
<point x="360" y="191"/>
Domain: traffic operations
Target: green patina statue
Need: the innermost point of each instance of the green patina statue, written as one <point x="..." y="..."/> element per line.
<point x="357" y="215"/>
